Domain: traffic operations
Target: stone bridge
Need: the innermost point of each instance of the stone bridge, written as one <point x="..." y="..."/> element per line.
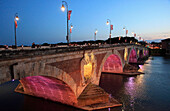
<point x="76" y="66"/>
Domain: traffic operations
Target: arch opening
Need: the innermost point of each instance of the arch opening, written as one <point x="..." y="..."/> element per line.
<point x="133" y="56"/>
<point x="112" y="64"/>
<point x="140" y="54"/>
<point x="48" y="88"/>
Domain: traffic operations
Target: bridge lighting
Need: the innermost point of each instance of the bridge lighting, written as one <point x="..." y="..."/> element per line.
<point x="63" y="8"/>
<point x="107" y="23"/>
<point x="88" y="70"/>
<point x="124" y="28"/>
<point x="126" y="54"/>
<point x="71" y="26"/>
<point x="68" y="18"/>
<point x="16" y="18"/>
<point x="111" y="28"/>
<point x="96" y="31"/>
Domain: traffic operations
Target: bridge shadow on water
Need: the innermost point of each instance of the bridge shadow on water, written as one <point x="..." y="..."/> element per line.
<point x="39" y="104"/>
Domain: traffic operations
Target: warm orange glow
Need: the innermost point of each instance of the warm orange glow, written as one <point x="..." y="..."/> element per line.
<point x="143" y="51"/>
<point x="138" y="53"/>
<point x="71" y="26"/>
<point x="16" y="18"/>
<point x="107" y="23"/>
<point x="126" y="54"/>
<point x="88" y="70"/>
<point x="63" y="8"/>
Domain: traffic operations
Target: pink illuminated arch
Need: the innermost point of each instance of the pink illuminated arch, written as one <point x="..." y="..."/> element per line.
<point x="133" y="56"/>
<point x="49" y="88"/>
<point x="112" y="64"/>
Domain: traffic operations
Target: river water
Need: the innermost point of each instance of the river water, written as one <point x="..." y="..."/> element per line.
<point x="146" y="92"/>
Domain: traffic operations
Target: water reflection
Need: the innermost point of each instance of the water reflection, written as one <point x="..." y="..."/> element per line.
<point x="130" y="90"/>
<point x="126" y="89"/>
<point x="146" y="92"/>
<point x="134" y="88"/>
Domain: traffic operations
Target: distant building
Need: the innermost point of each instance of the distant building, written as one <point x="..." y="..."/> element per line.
<point x="166" y="46"/>
<point x="155" y="45"/>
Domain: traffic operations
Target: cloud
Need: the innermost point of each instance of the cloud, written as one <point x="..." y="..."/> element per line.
<point x="154" y="36"/>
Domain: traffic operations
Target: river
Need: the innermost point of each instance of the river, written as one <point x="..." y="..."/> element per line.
<point x="146" y="92"/>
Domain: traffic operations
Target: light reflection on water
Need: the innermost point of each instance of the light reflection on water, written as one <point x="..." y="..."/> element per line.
<point x="146" y="92"/>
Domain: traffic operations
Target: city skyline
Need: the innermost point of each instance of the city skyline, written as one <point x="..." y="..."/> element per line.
<point x="43" y="21"/>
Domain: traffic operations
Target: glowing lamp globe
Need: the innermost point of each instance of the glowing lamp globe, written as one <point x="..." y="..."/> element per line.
<point x="107" y="23"/>
<point x="71" y="26"/>
<point x="16" y="18"/>
<point x="63" y="8"/>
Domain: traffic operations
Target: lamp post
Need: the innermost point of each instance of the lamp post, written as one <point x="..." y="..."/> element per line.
<point x="16" y="18"/>
<point x="126" y="31"/>
<point x="133" y="34"/>
<point x="109" y="21"/>
<point x="63" y="9"/>
<point x="71" y="27"/>
<point x="95" y="33"/>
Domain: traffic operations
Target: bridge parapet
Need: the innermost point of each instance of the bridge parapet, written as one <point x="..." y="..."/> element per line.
<point x="23" y="53"/>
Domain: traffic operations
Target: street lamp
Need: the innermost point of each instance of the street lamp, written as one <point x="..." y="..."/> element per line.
<point x="124" y="30"/>
<point x="71" y="27"/>
<point x="16" y="18"/>
<point x="63" y="9"/>
<point x="95" y="33"/>
<point x="109" y="21"/>
<point x="133" y="34"/>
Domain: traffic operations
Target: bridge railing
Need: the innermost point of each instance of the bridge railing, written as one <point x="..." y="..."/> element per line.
<point x="15" y="53"/>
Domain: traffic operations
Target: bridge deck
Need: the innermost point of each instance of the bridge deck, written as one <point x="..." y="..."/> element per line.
<point x="24" y="53"/>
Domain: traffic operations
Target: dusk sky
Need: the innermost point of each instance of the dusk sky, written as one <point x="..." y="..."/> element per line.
<point x="42" y="21"/>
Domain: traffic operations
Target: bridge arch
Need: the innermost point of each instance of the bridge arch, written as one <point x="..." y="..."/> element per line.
<point x="114" y="54"/>
<point x="132" y="56"/>
<point x="65" y="77"/>
<point x="140" y="53"/>
<point x="47" y="87"/>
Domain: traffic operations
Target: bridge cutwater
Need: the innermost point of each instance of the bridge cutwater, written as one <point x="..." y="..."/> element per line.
<point x="69" y="75"/>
